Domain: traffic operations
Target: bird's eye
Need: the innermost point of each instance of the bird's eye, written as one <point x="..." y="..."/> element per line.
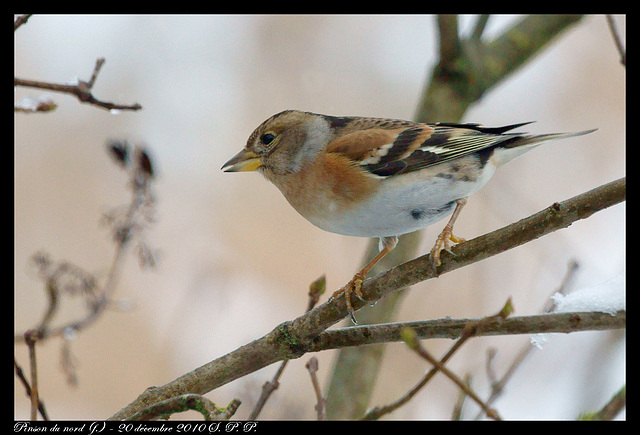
<point x="267" y="138"/>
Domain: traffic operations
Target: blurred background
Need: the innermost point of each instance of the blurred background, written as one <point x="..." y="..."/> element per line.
<point x="236" y="260"/>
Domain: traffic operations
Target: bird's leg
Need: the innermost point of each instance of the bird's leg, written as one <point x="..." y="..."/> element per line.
<point x="387" y="244"/>
<point x="446" y="236"/>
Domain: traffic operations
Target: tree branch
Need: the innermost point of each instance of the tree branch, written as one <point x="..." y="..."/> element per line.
<point x="449" y="40"/>
<point x="27" y="388"/>
<point x="81" y="90"/>
<point x="459" y="81"/>
<point x="293" y="339"/>
<point x="478" y="30"/>
<point x="31" y="337"/>
<point x="454" y="328"/>
<point x="312" y="367"/>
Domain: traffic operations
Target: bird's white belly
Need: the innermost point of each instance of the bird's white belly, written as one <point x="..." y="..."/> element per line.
<point x="408" y="203"/>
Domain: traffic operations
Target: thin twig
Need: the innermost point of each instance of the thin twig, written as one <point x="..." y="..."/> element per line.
<point x="471" y="329"/>
<point x="81" y="90"/>
<point x="312" y="367"/>
<point x="27" y="388"/>
<point x="52" y="306"/>
<point x="456" y="414"/>
<point x="31" y="337"/>
<point x="316" y="290"/>
<point x="498" y="385"/>
<point x="617" y="39"/>
<point x="481" y="24"/>
<point x="96" y="70"/>
<point x="564" y="287"/>
<point x="414" y="344"/>
<point x="267" y="389"/>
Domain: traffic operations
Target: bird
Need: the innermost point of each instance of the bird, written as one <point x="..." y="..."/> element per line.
<point x="378" y="177"/>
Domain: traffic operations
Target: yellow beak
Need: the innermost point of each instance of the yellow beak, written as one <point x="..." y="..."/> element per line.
<point x="244" y="161"/>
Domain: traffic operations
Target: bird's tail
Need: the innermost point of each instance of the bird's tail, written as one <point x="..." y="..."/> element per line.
<point x="537" y="139"/>
<point x="524" y="143"/>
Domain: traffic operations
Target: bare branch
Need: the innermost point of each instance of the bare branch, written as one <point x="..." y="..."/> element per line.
<point x="478" y="30"/>
<point x="27" y="388"/>
<point x="456" y="413"/>
<point x="414" y="345"/>
<point x="449" y="39"/>
<point x="267" y="390"/>
<point x="31" y="337"/>
<point x="81" y="90"/>
<point x="497" y="385"/>
<point x="617" y="39"/>
<point x="470" y="330"/>
<point x="312" y="367"/>
<point x="454" y="328"/>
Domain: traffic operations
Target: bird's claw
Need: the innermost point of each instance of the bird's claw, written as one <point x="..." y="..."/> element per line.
<point x="353" y="286"/>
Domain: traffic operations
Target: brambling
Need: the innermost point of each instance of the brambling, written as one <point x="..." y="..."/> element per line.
<point x="375" y="177"/>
